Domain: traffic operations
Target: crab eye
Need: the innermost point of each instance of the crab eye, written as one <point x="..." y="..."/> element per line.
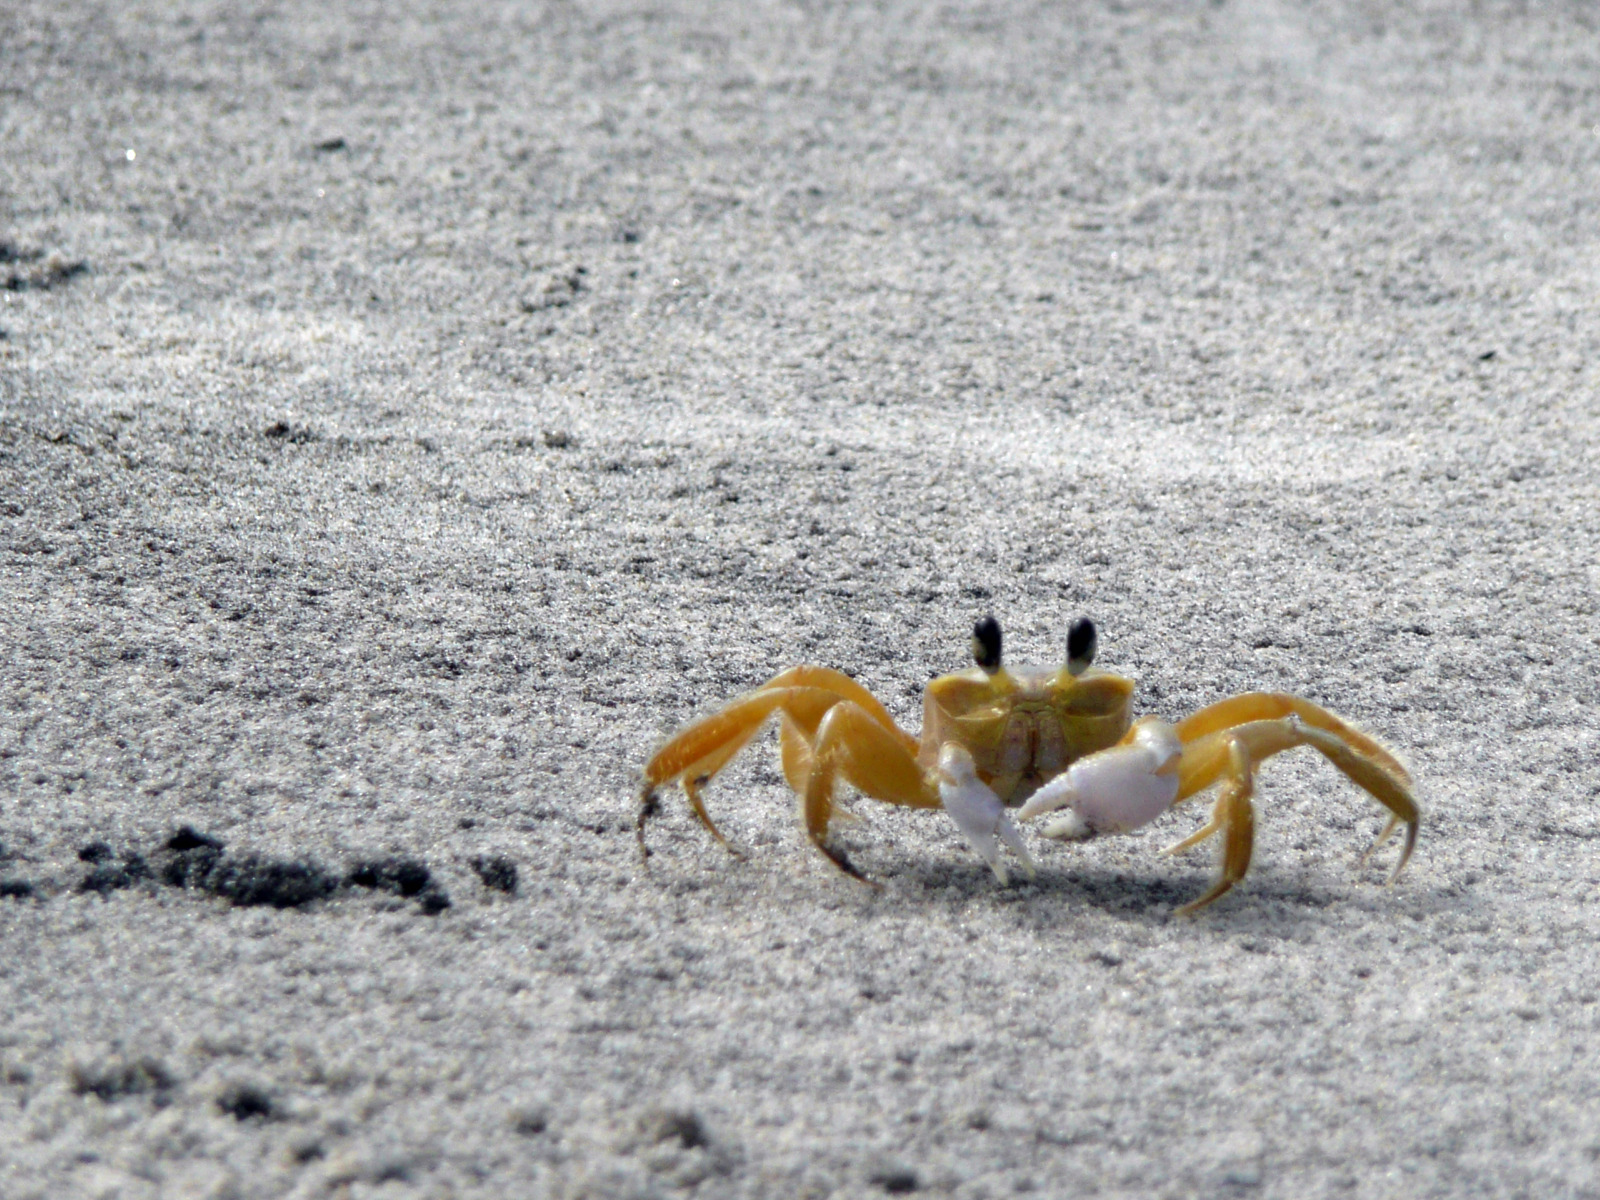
<point x="986" y="644"/>
<point x="1081" y="643"/>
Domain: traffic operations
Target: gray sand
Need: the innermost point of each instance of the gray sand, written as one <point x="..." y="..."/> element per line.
<point x="409" y="418"/>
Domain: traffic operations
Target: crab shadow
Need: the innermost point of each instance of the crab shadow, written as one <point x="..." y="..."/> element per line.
<point x="1141" y="896"/>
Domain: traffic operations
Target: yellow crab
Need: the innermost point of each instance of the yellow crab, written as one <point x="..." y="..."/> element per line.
<point x="1039" y="738"/>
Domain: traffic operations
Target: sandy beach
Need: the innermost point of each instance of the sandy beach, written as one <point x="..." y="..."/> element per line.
<point x="410" y="414"/>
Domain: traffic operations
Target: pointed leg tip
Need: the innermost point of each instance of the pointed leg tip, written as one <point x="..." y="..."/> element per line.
<point x="1406" y="848"/>
<point x="718" y="837"/>
<point x="649" y="806"/>
<point x="842" y="860"/>
<point x="1221" y="889"/>
<point x="1405" y="852"/>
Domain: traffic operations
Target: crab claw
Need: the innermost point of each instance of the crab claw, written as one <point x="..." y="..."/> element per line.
<point x="1116" y="790"/>
<point x="979" y="813"/>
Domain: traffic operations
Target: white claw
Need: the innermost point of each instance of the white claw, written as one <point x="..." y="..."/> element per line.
<point x="1116" y="790"/>
<point x="1060" y="792"/>
<point x="979" y="813"/>
<point x="1012" y="837"/>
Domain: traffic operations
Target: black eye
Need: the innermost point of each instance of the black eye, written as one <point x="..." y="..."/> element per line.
<point x="986" y="644"/>
<point x="1081" y="643"/>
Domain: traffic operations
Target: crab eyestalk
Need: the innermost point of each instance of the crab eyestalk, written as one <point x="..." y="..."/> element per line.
<point x="986" y="644"/>
<point x="1082" y="641"/>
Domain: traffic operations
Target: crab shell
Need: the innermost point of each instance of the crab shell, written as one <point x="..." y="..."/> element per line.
<point x="1023" y="726"/>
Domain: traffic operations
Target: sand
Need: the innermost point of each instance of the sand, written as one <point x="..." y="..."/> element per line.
<point x="410" y="414"/>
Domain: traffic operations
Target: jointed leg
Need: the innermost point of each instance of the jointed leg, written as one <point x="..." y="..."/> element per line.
<point x="844" y="688"/>
<point x="1394" y="794"/>
<point x="1266" y="706"/>
<point x="802" y="695"/>
<point x="1233" y="816"/>
<point x="853" y="746"/>
<point x="1215" y="751"/>
<point x="795" y="749"/>
<point x="696" y="753"/>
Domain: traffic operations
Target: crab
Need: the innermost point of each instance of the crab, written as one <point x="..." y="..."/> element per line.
<point x="1035" y="739"/>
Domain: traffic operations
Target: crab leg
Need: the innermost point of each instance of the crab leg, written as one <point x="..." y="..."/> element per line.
<point x="850" y="744"/>
<point x="845" y="688"/>
<point x="803" y="695"/>
<point x="804" y="692"/>
<point x="1235" y="817"/>
<point x="1265" y="706"/>
<point x="1230" y="755"/>
<point x="698" y="752"/>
